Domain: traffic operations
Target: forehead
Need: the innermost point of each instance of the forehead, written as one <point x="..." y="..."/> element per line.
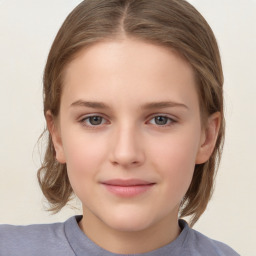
<point x="129" y="69"/>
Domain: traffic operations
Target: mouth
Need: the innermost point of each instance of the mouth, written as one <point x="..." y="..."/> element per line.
<point x="127" y="188"/>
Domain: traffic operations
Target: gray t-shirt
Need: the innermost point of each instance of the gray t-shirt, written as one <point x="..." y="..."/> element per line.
<point x="66" y="239"/>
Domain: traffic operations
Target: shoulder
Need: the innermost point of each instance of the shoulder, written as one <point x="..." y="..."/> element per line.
<point x="200" y="244"/>
<point x="38" y="239"/>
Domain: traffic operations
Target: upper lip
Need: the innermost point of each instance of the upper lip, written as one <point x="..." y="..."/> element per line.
<point x="127" y="182"/>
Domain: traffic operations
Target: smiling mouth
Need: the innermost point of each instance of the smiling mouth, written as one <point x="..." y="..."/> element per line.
<point x="127" y="188"/>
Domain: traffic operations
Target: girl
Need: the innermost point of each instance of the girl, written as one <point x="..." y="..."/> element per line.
<point x="134" y="108"/>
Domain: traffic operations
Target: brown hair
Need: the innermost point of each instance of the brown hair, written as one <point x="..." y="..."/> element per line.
<point x="169" y="23"/>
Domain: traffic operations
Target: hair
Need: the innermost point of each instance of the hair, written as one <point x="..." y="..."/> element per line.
<point x="175" y="24"/>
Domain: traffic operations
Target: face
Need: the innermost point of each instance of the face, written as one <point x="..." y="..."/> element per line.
<point x="129" y="131"/>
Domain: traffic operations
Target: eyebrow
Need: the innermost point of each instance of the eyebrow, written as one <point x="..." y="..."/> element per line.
<point x="90" y="104"/>
<point x="151" y="105"/>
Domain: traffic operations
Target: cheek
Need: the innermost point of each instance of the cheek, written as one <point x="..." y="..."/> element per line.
<point x="178" y="149"/>
<point x="84" y="156"/>
<point x="175" y="161"/>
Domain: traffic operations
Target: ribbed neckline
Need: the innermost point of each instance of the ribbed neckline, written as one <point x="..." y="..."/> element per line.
<point x="83" y="246"/>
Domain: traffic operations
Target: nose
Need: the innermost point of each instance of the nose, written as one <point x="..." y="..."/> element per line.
<point x="127" y="148"/>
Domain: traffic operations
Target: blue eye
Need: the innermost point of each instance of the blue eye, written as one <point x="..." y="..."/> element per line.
<point x="162" y="120"/>
<point x="93" y="121"/>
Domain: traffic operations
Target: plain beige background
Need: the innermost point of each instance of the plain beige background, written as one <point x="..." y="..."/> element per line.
<point x="27" y="29"/>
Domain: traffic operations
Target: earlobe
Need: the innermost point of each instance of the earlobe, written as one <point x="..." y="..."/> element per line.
<point x="208" y="138"/>
<point x="56" y="137"/>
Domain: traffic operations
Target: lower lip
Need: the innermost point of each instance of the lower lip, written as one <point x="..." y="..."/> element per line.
<point x="128" y="191"/>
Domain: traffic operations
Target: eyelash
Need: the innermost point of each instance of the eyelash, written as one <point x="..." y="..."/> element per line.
<point x="170" y="121"/>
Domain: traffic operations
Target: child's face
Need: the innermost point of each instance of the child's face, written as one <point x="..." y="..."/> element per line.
<point x="146" y="127"/>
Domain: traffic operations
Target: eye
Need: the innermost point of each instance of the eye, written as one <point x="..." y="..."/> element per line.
<point x="162" y="120"/>
<point x="93" y="121"/>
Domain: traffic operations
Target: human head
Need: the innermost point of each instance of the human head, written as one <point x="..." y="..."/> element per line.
<point x="169" y="23"/>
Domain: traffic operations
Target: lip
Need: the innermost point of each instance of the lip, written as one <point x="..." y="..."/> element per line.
<point x="127" y="188"/>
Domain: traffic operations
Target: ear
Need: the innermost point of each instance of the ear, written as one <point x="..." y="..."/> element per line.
<point x="208" y="138"/>
<point x="56" y="137"/>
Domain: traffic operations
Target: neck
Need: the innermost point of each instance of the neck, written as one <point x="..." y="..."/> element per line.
<point x="130" y="242"/>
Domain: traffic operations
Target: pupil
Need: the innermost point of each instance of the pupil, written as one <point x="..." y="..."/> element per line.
<point x="161" y="120"/>
<point x="95" y="120"/>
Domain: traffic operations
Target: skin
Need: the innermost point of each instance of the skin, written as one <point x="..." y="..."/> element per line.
<point x="129" y="142"/>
